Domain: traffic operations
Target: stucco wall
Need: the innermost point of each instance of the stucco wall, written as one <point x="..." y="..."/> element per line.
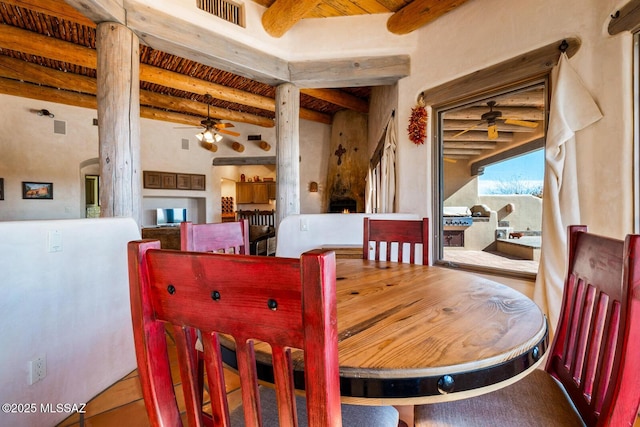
<point x="30" y="151"/>
<point x="70" y="307"/>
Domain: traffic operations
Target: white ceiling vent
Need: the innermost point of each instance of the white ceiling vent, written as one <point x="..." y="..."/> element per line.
<point x="227" y="10"/>
<point x="185" y="144"/>
<point x="60" y="127"/>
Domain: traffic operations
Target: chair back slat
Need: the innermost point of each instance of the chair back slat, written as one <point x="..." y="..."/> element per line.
<point x="294" y="307"/>
<point x="395" y="234"/>
<point x="225" y="237"/>
<point x="590" y="353"/>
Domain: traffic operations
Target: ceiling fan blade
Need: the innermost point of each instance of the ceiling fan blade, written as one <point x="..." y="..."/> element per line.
<point x="228" y="132"/>
<point x="224" y="125"/>
<point x="466" y="130"/>
<point x="521" y="123"/>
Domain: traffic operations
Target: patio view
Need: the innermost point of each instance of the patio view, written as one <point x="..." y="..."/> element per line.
<point x="496" y="219"/>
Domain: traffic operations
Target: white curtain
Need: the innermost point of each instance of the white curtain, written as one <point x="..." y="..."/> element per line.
<point x="388" y="169"/>
<point x="572" y="109"/>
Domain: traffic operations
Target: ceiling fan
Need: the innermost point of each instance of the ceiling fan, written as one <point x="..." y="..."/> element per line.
<point x="491" y="117"/>
<point x="213" y="130"/>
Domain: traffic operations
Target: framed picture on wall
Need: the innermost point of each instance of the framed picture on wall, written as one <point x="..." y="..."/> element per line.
<point x="37" y="190"/>
<point x="1" y="188"/>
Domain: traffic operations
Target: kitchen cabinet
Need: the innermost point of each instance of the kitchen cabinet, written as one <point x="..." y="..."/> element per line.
<point x="255" y="192"/>
<point x="271" y="190"/>
<point x="244" y="192"/>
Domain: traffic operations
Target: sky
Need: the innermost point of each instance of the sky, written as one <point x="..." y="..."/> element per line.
<point x="527" y="169"/>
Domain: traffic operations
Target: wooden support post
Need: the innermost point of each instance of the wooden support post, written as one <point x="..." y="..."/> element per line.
<point x="287" y="151"/>
<point x="118" y="94"/>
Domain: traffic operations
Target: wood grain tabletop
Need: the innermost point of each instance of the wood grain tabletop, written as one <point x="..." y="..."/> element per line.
<point x="413" y="334"/>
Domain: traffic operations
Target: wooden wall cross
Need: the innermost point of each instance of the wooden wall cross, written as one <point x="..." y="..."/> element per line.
<point x="339" y="152"/>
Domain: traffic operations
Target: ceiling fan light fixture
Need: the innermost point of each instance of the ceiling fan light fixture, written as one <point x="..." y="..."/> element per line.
<point x="208" y="135"/>
<point x="492" y="131"/>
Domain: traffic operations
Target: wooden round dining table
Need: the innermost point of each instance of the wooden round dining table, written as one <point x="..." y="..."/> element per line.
<point x="412" y="334"/>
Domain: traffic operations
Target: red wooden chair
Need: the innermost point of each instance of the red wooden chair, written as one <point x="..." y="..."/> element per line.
<point x="399" y="232"/>
<point x="221" y="237"/>
<point x="227" y="237"/>
<point x="592" y="373"/>
<point x="294" y="307"/>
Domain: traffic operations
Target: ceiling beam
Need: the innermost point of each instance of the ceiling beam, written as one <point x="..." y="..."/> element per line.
<point x="284" y="14"/>
<point x="53" y="8"/>
<point x="63" y="10"/>
<point x="239" y="161"/>
<point x="16" y="69"/>
<point x="466" y="124"/>
<point x="476" y="136"/>
<point x="100" y="10"/>
<point x="461" y="151"/>
<point x="363" y="71"/>
<point x="36" y="44"/>
<point x="340" y="98"/>
<point x="76" y="99"/>
<point x="520" y="113"/>
<point x="419" y="13"/>
<point x="471" y="145"/>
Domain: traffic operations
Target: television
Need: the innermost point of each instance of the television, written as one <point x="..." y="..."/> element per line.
<point x="170" y="217"/>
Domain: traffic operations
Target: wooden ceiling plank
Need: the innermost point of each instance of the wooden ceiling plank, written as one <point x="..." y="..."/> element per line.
<point x="373" y="6"/>
<point x="345" y="7"/>
<point x="419" y="13"/>
<point x="393" y="5"/>
<point x="470" y="145"/>
<point x="340" y="98"/>
<point x="462" y="151"/>
<point x="475" y="113"/>
<point x="459" y="125"/>
<point x="476" y="136"/>
<point x="364" y="71"/>
<point x="284" y="14"/>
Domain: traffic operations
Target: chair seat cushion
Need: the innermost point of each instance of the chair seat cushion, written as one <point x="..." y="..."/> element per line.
<point x="536" y="400"/>
<point x="352" y="415"/>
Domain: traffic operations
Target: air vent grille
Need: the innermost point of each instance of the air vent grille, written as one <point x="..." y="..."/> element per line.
<point x="60" y="127"/>
<point x="224" y="9"/>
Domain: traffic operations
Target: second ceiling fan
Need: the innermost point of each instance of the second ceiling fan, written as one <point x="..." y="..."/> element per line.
<point x="491" y="117"/>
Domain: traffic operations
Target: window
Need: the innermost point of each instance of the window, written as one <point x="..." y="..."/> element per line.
<point x="490" y="174"/>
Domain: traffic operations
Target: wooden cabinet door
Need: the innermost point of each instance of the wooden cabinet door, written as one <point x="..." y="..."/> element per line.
<point x="244" y="192"/>
<point x="260" y="192"/>
<point x="271" y="190"/>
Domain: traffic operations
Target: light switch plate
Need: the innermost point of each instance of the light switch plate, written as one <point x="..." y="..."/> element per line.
<point x="55" y="241"/>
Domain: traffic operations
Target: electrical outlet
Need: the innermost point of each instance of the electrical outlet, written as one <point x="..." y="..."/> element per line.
<point x="304" y="224"/>
<point x="37" y="369"/>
